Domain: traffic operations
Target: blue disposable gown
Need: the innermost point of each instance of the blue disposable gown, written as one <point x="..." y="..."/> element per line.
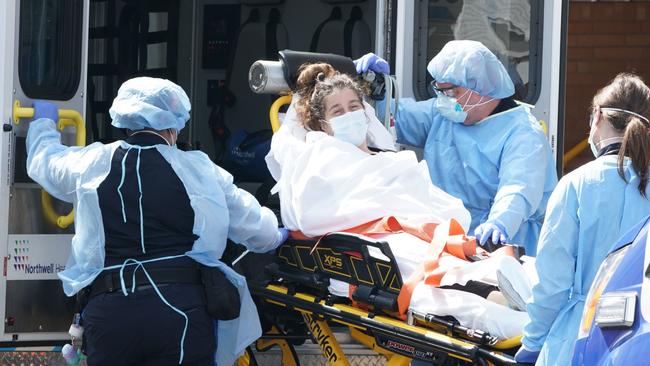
<point x="501" y="168"/>
<point x="221" y="211"/>
<point x="590" y="208"/>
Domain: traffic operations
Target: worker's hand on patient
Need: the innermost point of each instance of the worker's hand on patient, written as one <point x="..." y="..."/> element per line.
<point x="370" y="61"/>
<point x="524" y="355"/>
<point x="486" y="231"/>
<point x="45" y="109"/>
<point x="284" y="235"/>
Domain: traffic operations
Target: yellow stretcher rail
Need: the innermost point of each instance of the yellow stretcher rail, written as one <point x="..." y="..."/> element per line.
<point x="67" y="117"/>
<point x="329" y="346"/>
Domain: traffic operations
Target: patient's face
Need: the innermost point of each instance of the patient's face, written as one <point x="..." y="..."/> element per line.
<point x="339" y="103"/>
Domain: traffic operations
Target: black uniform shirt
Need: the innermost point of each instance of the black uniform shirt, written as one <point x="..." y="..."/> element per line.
<point x="167" y="215"/>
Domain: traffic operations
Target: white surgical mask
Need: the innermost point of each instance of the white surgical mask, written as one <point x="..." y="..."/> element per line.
<point x="590" y="140"/>
<point x="592" y="145"/>
<point x="597" y="146"/>
<point x="450" y="108"/>
<point x="351" y="127"/>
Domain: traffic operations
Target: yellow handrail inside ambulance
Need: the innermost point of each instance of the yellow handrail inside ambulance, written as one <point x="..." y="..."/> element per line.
<point x="275" y="110"/>
<point x="67" y="117"/>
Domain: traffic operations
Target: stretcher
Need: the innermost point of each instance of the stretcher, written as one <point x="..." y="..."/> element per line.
<point x="294" y="302"/>
<point x="295" y="305"/>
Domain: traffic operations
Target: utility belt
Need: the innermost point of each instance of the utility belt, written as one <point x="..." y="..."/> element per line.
<point x="222" y="297"/>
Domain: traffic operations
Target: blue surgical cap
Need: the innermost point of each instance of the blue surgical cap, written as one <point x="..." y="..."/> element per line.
<point x="471" y="65"/>
<point x="145" y="102"/>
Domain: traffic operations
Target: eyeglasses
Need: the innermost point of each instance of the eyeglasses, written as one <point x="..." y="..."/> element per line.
<point x="448" y="91"/>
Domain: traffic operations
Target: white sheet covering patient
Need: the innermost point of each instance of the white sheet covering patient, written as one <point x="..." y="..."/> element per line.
<point x="327" y="182"/>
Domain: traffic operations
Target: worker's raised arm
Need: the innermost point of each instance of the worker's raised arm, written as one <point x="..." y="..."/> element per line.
<point x="51" y="164"/>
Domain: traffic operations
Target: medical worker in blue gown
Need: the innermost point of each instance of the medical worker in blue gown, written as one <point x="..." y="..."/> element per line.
<point x="590" y="208"/>
<point x="479" y="144"/>
<point x="146" y="214"/>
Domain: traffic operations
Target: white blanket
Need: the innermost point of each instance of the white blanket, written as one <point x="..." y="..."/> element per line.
<point x="291" y="137"/>
<point x="328" y="185"/>
<point x="469" y="309"/>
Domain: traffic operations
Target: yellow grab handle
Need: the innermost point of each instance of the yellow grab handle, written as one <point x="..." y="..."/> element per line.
<point x="70" y="117"/>
<point x="275" y="110"/>
<point x="67" y="117"/>
<point x="575" y="151"/>
<point x="51" y="215"/>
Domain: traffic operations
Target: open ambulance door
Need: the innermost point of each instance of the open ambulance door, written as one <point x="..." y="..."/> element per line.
<point x="528" y="36"/>
<point x="43" y="47"/>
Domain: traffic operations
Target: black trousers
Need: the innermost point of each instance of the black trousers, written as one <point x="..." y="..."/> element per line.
<point x="139" y="329"/>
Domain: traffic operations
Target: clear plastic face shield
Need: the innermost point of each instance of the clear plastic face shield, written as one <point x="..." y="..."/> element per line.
<point x="596" y="146"/>
<point x="449" y="91"/>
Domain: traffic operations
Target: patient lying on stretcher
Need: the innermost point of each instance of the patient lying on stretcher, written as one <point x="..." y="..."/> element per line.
<point x="330" y="180"/>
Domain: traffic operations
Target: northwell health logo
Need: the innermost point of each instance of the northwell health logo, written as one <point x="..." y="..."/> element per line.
<point x="21" y="263"/>
<point x="20" y="256"/>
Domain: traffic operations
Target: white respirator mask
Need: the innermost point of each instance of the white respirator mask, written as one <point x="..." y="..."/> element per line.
<point x="351" y="127"/>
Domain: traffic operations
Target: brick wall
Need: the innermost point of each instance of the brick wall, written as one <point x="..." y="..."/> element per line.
<point x="605" y="38"/>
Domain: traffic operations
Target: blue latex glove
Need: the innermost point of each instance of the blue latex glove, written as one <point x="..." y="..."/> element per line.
<point x="44" y="109"/>
<point x="485" y="231"/>
<point x="284" y="235"/>
<point x="370" y="61"/>
<point x="524" y="355"/>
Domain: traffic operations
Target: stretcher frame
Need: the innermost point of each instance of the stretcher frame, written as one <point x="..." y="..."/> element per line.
<point x="300" y="277"/>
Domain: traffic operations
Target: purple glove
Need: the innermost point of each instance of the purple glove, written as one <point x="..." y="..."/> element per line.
<point x="485" y="231"/>
<point x="370" y="61"/>
<point x="525" y="355"/>
<point x="284" y="235"/>
<point x="45" y="109"/>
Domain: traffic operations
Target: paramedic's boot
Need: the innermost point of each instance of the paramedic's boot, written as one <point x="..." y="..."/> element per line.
<point x="514" y="283"/>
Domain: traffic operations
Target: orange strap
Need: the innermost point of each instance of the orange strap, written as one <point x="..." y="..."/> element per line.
<point x="448" y="237"/>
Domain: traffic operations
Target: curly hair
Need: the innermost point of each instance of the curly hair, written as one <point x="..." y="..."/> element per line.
<point x="315" y="82"/>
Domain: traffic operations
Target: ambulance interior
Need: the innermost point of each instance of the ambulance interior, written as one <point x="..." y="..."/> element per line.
<point x="207" y="47"/>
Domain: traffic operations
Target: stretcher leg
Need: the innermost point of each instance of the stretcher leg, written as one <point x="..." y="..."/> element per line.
<point x="323" y="335"/>
<point x="247" y="359"/>
<point x="289" y="357"/>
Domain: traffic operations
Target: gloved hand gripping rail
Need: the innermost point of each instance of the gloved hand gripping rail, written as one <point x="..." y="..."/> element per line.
<point x="67" y="117"/>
